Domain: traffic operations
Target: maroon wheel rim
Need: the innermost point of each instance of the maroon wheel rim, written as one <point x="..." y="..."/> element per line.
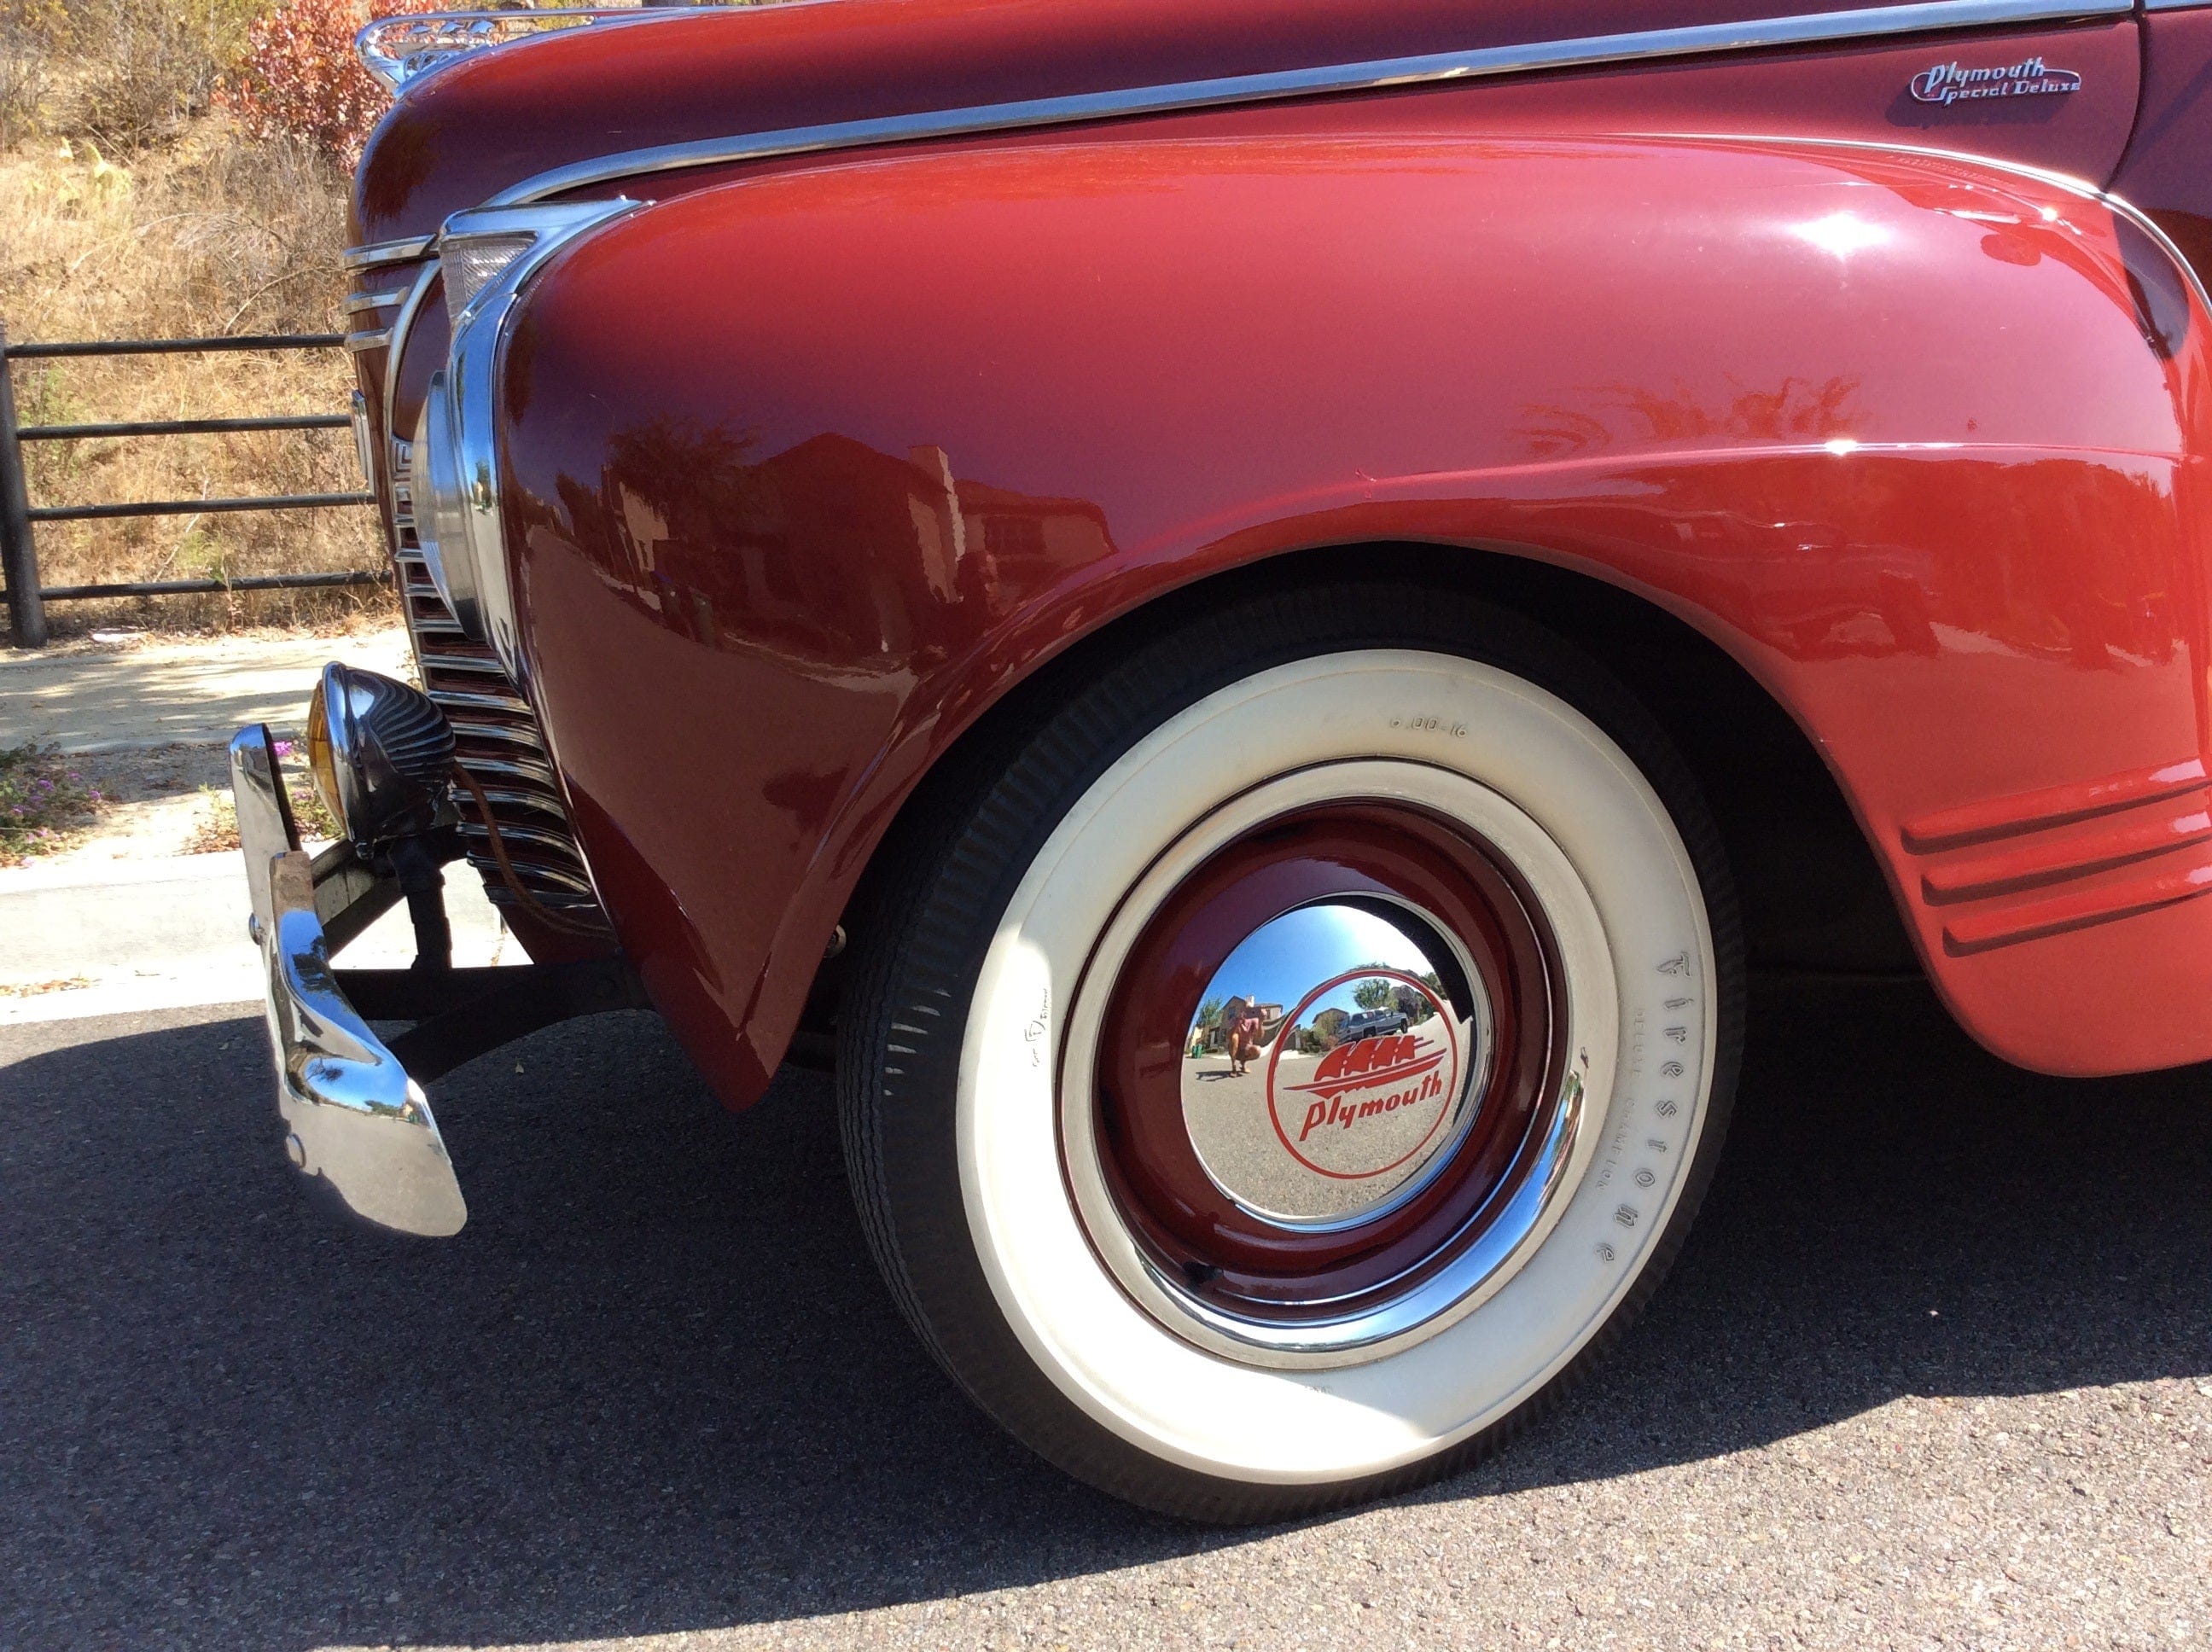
<point x="1208" y="1225"/>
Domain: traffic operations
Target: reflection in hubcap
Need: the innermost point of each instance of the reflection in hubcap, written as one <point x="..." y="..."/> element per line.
<point x="1331" y="1067"/>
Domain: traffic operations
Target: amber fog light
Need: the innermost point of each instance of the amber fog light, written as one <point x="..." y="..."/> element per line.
<point x="380" y="751"/>
<point x="322" y="762"/>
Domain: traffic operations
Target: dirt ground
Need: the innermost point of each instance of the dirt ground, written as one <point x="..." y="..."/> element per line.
<point x="108" y="701"/>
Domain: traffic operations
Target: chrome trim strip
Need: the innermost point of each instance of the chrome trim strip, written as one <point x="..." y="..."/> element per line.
<point x="540" y="802"/>
<point x="1585" y="52"/>
<point x="364" y="440"/>
<point x="469" y="441"/>
<point x="522" y="770"/>
<point x="515" y="734"/>
<point x="460" y="699"/>
<point x="438" y="662"/>
<point x="504" y="733"/>
<point x="560" y="889"/>
<point x="558" y="843"/>
<point x="360" y="301"/>
<point x="358" y="341"/>
<point x="375" y="252"/>
<point x="401" y="325"/>
<point x="450" y="545"/>
<point x="2175" y="5"/>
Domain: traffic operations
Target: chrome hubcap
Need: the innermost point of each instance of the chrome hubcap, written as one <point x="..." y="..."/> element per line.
<point x="1321" y="1085"/>
<point x="1332" y="1066"/>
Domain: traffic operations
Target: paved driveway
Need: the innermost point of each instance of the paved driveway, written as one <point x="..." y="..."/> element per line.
<point x="1936" y="1368"/>
<point x="86" y="698"/>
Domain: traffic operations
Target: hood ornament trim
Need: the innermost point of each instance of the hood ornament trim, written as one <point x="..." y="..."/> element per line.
<point x="399" y="49"/>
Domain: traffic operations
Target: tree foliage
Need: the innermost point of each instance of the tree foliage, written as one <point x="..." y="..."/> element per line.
<point x="299" y="76"/>
<point x="1372" y="994"/>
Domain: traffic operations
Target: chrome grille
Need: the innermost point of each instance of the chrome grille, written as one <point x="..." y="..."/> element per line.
<point x="495" y="734"/>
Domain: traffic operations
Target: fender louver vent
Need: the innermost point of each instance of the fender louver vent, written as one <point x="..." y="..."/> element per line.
<point x="2011" y="869"/>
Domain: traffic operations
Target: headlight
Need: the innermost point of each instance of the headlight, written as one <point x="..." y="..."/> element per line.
<point x="380" y="752"/>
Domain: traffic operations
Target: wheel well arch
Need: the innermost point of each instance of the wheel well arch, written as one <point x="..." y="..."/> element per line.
<point x="1813" y="896"/>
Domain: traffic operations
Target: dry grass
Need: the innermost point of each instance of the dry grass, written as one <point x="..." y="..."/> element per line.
<point x="189" y="229"/>
<point x="218" y="824"/>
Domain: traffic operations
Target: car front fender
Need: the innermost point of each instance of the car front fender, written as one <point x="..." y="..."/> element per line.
<point x="804" y="472"/>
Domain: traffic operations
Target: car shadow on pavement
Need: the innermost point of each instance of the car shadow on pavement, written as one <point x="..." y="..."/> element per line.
<point x="656" y="1385"/>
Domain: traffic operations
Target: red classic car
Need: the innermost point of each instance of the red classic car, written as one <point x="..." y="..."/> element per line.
<point x="974" y="540"/>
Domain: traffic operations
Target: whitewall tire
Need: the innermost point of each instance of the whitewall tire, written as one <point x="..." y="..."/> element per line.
<point x="1153" y="1184"/>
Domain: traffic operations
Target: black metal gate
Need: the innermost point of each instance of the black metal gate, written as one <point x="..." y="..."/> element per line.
<point x="19" y="518"/>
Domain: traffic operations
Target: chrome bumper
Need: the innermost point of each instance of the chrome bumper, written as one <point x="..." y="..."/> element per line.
<point x="355" y="1118"/>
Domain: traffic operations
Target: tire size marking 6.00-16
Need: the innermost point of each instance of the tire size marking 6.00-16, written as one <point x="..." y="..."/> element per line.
<point x="1422" y="724"/>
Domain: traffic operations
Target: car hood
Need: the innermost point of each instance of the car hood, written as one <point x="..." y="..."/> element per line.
<point x="490" y="120"/>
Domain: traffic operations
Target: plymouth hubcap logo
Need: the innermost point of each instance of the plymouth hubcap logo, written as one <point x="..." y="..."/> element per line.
<point x="1363" y="1106"/>
<point x="1326" y="1074"/>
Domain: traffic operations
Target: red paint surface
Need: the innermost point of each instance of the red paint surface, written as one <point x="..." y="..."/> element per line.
<point x="806" y="471"/>
<point x="490" y="121"/>
<point x="2168" y="169"/>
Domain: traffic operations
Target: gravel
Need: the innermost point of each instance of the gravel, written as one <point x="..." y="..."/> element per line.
<point x="1935" y="1368"/>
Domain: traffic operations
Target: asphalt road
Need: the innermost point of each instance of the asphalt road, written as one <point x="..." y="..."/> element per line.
<point x="1935" y="1368"/>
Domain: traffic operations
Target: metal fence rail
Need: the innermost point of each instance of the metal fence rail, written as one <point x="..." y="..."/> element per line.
<point x="19" y="555"/>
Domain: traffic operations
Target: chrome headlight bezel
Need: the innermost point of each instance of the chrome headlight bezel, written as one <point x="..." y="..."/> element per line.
<point x="456" y="454"/>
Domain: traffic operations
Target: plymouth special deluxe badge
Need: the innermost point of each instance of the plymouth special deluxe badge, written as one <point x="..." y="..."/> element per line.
<point x="1947" y="83"/>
